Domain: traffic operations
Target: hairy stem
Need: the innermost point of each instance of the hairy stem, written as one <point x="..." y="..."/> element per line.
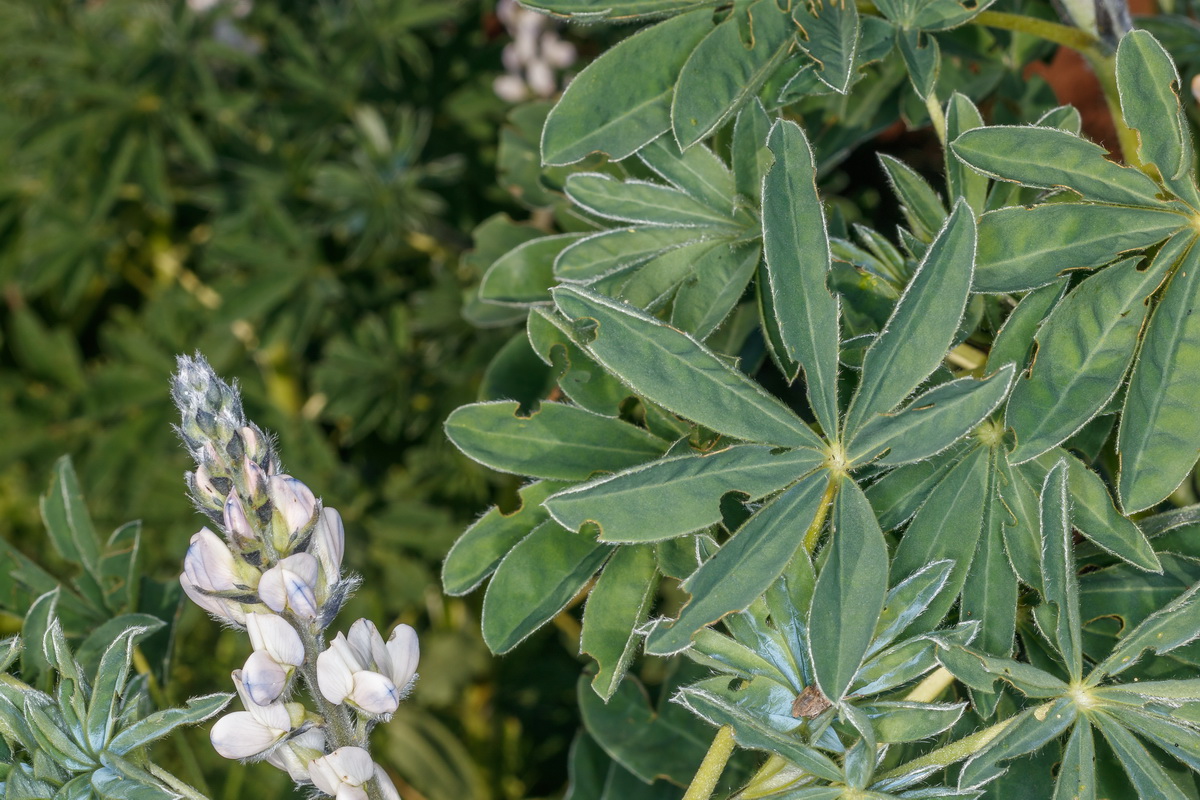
<point x="934" y="684"/>
<point x="706" y="777"/>
<point x="814" y="530"/>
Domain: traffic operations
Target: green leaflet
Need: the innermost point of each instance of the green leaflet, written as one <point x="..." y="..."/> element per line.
<point x="640" y="202"/>
<point x="1013" y="343"/>
<point x="622" y="100"/>
<point x="831" y="41"/>
<point x="1159" y="436"/>
<point x="848" y="598"/>
<point x="1024" y="248"/>
<point x="1084" y="349"/>
<point x="70" y="529"/>
<point x="746" y="565"/>
<point x="1060" y="586"/>
<point x="1171" y="626"/>
<point x="922" y="208"/>
<point x="697" y="171"/>
<point x="922" y="325"/>
<point x="1027" y="732"/>
<point x="898" y="494"/>
<point x="524" y="275"/>
<point x="1093" y="512"/>
<point x="557" y="441"/>
<point x="961" y="180"/>
<point x="616" y="608"/>
<point x="582" y="380"/>
<point x="922" y="57"/>
<point x="652" y="285"/>
<point x="750" y="156"/>
<point x="1049" y="158"/>
<point x="719" y="278"/>
<point x="931" y="422"/>
<point x="713" y="700"/>
<point x="666" y="741"/>
<point x="481" y="547"/>
<point x="535" y="581"/>
<point x="594" y="10"/>
<point x="1147" y="83"/>
<point x="674" y="371"/>
<point x="1147" y="775"/>
<point x="675" y="496"/>
<point x="796" y="247"/>
<point x="947" y="527"/>
<point x="722" y="73"/>
<point x="900" y="721"/>
<point x="1077" y="773"/>
<point x="603" y="254"/>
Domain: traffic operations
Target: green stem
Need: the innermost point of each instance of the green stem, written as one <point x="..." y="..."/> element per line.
<point x="957" y="750"/>
<point x="937" y="117"/>
<point x="814" y="530"/>
<point x="705" y="779"/>
<point x="1056" y="32"/>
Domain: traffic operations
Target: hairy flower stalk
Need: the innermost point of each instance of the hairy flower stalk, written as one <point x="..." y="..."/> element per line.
<point x="277" y="573"/>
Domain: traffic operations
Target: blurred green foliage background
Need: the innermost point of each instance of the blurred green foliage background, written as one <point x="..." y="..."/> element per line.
<point x="286" y="186"/>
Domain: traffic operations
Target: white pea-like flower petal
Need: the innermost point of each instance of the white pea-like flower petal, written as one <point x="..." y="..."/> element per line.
<point x="294" y="755"/>
<point x="374" y="693"/>
<point x="222" y="609"/>
<point x="237" y="524"/>
<point x="272" y="633"/>
<point x="540" y="77"/>
<point x="242" y="735"/>
<point x="329" y="544"/>
<point x="265" y="678"/>
<point x="336" y="666"/>
<point x="290" y="586"/>
<point x="384" y="782"/>
<point x="367" y="644"/>
<point x="344" y="768"/>
<point x="294" y="501"/>
<point x="208" y="564"/>
<point x="510" y="88"/>
<point x="404" y="651"/>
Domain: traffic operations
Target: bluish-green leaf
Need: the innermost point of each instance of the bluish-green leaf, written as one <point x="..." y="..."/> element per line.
<point x="723" y="73"/>
<point x="160" y="723"/>
<point x="110" y="680"/>
<point x="557" y="441"/>
<point x="947" y="527"/>
<point x="902" y="721"/>
<point x="1148" y="85"/>
<point x="622" y="100"/>
<point x="1024" y="248"/>
<point x="579" y="376"/>
<point x="931" y="422"/>
<point x="848" y="598"/>
<point x="750" y="156"/>
<point x="906" y="600"/>
<point x="1049" y="158"/>
<point x="796" y="247"/>
<point x="535" y="581"/>
<point x="922" y="208"/>
<point x="1028" y="731"/>
<point x="923" y="324"/>
<point x="676" y="372"/>
<point x="70" y="528"/>
<point x="922" y="57"/>
<point x="1014" y="342"/>
<point x="746" y="565"/>
<point x="1060" y="586"/>
<point x="1171" y="626"/>
<point x="718" y="281"/>
<point x="1084" y="349"/>
<point x="612" y="251"/>
<point x="98" y="640"/>
<point x="1148" y="777"/>
<point x="481" y="547"/>
<point x="1077" y="771"/>
<point x="832" y="40"/>
<point x="1159" y="437"/>
<point x="898" y="494"/>
<point x="525" y="274"/>
<point x="675" y="496"/>
<point x="643" y="203"/>
<point x="616" y="608"/>
<point x="961" y="180"/>
<point x="697" y="171"/>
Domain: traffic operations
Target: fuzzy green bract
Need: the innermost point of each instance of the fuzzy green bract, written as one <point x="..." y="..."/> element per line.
<point x="881" y="488"/>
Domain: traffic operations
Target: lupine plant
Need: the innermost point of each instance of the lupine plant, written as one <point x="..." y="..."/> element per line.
<point x="277" y="572"/>
<point x="914" y="509"/>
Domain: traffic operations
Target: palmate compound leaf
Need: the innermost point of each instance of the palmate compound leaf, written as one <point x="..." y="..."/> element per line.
<point x="746" y="565"/>
<point x="1159" y="435"/>
<point x="673" y="370"/>
<point x="622" y="100"/>
<point x="1084" y="349"/>
<point x="557" y="441"/>
<point x="922" y="325"/>
<point x="679" y="495"/>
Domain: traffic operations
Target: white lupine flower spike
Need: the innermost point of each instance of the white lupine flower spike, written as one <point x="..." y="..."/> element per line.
<point x="277" y="571"/>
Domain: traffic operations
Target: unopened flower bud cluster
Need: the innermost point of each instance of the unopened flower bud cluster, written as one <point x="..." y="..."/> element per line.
<point x="533" y="57"/>
<point x="275" y="570"/>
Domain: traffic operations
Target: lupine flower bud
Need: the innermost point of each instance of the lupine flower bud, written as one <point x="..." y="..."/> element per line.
<point x="294" y="755"/>
<point x="273" y="634"/>
<point x="207" y="493"/>
<point x="210" y="567"/>
<point x="264" y="677"/>
<point x="237" y="524"/>
<point x="328" y="545"/>
<point x="290" y="586"/>
<point x="404" y="651"/>
<point x="343" y="772"/>
<point x="344" y="677"/>
<point x="397" y="660"/>
<point x="294" y="501"/>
